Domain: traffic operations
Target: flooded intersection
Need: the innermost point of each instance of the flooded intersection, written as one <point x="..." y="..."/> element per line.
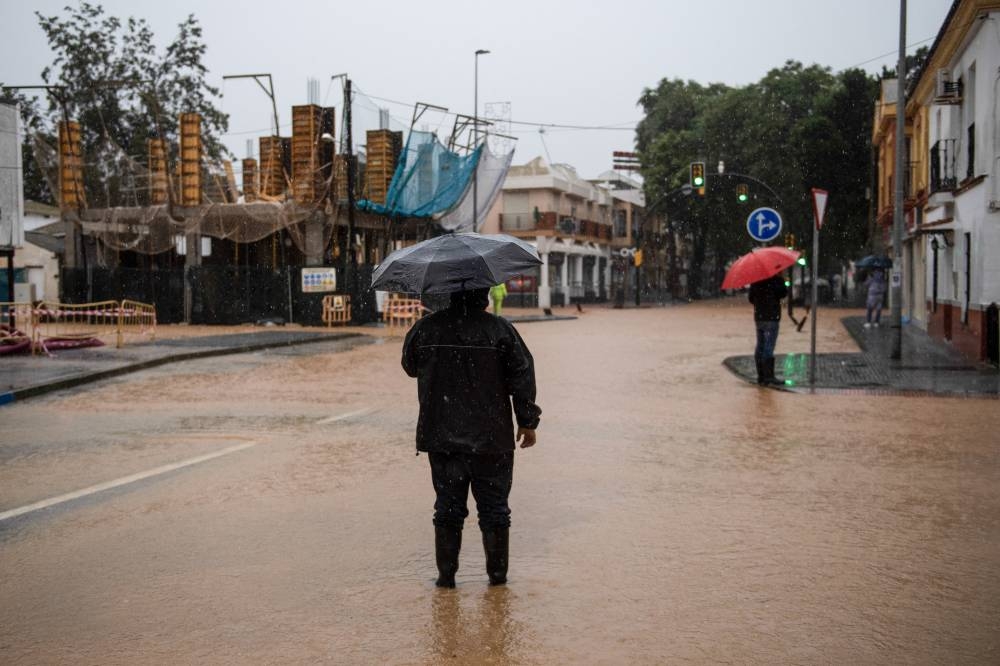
<point x="669" y="513"/>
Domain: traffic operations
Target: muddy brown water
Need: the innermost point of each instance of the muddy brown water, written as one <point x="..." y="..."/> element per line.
<point x="670" y="513"/>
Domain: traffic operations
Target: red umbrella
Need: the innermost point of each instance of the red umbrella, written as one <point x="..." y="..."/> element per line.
<point x="757" y="265"/>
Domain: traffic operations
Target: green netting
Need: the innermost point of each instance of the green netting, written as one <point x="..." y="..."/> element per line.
<point x="429" y="179"/>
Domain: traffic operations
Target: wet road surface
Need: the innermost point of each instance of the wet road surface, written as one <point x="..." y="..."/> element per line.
<point x="670" y="513"/>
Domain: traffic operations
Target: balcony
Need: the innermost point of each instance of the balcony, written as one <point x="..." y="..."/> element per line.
<point x="943" y="177"/>
<point x="552" y="224"/>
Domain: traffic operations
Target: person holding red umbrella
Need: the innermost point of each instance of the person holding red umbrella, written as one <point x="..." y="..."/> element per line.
<point x="761" y="269"/>
<point x="766" y="297"/>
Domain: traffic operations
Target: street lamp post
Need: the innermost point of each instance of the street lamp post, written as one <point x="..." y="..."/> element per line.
<point x="475" y="140"/>
<point x="896" y="351"/>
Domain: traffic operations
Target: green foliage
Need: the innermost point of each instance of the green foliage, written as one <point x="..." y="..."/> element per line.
<point x="797" y="128"/>
<point x="110" y="76"/>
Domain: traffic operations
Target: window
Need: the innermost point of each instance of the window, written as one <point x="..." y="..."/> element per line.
<point x="619" y="216"/>
<point x="970" y="170"/>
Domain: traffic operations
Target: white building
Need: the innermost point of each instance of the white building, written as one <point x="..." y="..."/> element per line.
<point x="954" y="235"/>
<point x="575" y="224"/>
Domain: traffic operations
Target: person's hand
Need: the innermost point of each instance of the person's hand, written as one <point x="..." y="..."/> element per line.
<point x="526" y="436"/>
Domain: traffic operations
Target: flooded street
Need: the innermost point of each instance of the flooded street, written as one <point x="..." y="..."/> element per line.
<point x="670" y="513"/>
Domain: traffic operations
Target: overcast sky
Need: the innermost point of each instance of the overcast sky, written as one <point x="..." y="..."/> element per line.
<point x="574" y="63"/>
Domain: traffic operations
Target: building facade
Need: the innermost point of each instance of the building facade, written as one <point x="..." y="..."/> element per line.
<point x="579" y="228"/>
<point x="951" y="255"/>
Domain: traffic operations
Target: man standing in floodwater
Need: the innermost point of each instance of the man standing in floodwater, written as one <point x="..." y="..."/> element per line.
<point x="766" y="297"/>
<point x="471" y="367"/>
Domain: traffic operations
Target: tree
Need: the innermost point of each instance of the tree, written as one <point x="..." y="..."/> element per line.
<point x="109" y="76"/>
<point x="797" y="128"/>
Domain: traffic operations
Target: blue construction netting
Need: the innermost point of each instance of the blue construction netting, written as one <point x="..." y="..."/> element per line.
<point x="429" y="179"/>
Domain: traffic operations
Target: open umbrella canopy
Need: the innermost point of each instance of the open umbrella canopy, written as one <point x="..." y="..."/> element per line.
<point x="455" y="262"/>
<point x="757" y="265"/>
<point x="874" y="261"/>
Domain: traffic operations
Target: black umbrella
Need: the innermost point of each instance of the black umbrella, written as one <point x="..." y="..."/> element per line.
<point x="874" y="261"/>
<point x="455" y="262"/>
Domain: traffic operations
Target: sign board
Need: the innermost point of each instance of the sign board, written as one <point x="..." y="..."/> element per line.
<point x="819" y="205"/>
<point x="317" y="280"/>
<point x="522" y="284"/>
<point x="11" y="179"/>
<point x="764" y="224"/>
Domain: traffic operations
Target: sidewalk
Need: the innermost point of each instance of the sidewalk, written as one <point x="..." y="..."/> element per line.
<point x="27" y="376"/>
<point x="927" y="367"/>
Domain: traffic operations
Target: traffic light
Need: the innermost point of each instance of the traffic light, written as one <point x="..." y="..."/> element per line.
<point x="637" y="258"/>
<point x="801" y="261"/>
<point x="790" y="241"/>
<point x="698" y="177"/>
<point x="742" y="192"/>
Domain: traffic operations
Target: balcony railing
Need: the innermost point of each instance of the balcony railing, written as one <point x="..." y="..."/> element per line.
<point x="517" y="222"/>
<point x="943" y="166"/>
<point x="549" y="221"/>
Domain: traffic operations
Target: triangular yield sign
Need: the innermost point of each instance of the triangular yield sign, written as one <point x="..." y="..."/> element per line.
<point x="819" y="205"/>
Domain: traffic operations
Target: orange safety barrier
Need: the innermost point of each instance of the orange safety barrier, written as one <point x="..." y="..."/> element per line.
<point x="401" y="313"/>
<point x="50" y="321"/>
<point x="137" y="319"/>
<point x="17" y="323"/>
<point x="336" y="309"/>
<point x="76" y="321"/>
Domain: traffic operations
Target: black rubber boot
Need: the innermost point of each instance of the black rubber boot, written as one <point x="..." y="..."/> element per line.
<point x="496" y="543"/>
<point x="447" y="544"/>
<point x="769" y="373"/>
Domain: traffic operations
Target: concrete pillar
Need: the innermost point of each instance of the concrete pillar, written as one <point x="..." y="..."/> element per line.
<point x="544" y="293"/>
<point x="596" y="277"/>
<point x="579" y="270"/>
<point x="313" y="231"/>
<point x="564" y="278"/>
<point x="192" y="259"/>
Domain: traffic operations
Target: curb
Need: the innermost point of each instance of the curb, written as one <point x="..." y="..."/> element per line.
<point x="71" y="382"/>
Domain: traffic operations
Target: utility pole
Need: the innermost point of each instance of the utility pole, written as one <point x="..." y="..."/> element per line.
<point x="897" y="210"/>
<point x="352" y="257"/>
<point x="475" y="140"/>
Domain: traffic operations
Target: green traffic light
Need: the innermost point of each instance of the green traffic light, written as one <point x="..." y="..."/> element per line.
<point x="698" y="181"/>
<point x="801" y="261"/>
<point x="788" y="283"/>
<point x="742" y="197"/>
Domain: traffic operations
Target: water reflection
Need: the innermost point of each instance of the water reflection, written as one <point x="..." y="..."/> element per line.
<point x="475" y="629"/>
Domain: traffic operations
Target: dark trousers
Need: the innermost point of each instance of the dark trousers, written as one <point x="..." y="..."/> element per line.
<point x="767" y="338"/>
<point x="490" y="476"/>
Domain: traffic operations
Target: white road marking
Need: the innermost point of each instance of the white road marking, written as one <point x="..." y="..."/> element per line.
<point x="342" y="417"/>
<point x="125" y="480"/>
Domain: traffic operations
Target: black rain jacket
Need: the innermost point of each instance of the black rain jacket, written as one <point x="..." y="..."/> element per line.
<point x="470" y="366"/>
<point x="766" y="297"/>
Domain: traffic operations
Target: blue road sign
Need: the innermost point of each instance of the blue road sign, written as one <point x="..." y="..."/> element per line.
<point x="764" y="224"/>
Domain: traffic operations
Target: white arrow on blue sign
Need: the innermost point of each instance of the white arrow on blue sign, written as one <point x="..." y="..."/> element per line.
<point x="764" y="224"/>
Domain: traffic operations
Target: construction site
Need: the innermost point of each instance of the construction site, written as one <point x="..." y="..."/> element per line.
<point x="263" y="238"/>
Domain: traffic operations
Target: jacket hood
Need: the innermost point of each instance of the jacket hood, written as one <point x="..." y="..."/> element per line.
<point x="471" y="300"/>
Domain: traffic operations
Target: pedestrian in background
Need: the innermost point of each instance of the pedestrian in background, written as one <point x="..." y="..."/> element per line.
<point x="471" y="367"/>
<point x="498" y="293"/>
<point x="876" y="296"/>
<point x="766" y="297"/>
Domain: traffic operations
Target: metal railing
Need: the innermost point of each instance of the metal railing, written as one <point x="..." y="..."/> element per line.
<point x="49" y="322"/>
<point x="517" y="222"/>
<point x="943" y="166"/>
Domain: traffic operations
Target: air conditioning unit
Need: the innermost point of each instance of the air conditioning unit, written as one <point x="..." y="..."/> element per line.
<point x="947" y="91"/>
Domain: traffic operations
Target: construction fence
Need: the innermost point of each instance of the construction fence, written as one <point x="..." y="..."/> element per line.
<point x="49" y="325"/>
<point x="222" y="295"/>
